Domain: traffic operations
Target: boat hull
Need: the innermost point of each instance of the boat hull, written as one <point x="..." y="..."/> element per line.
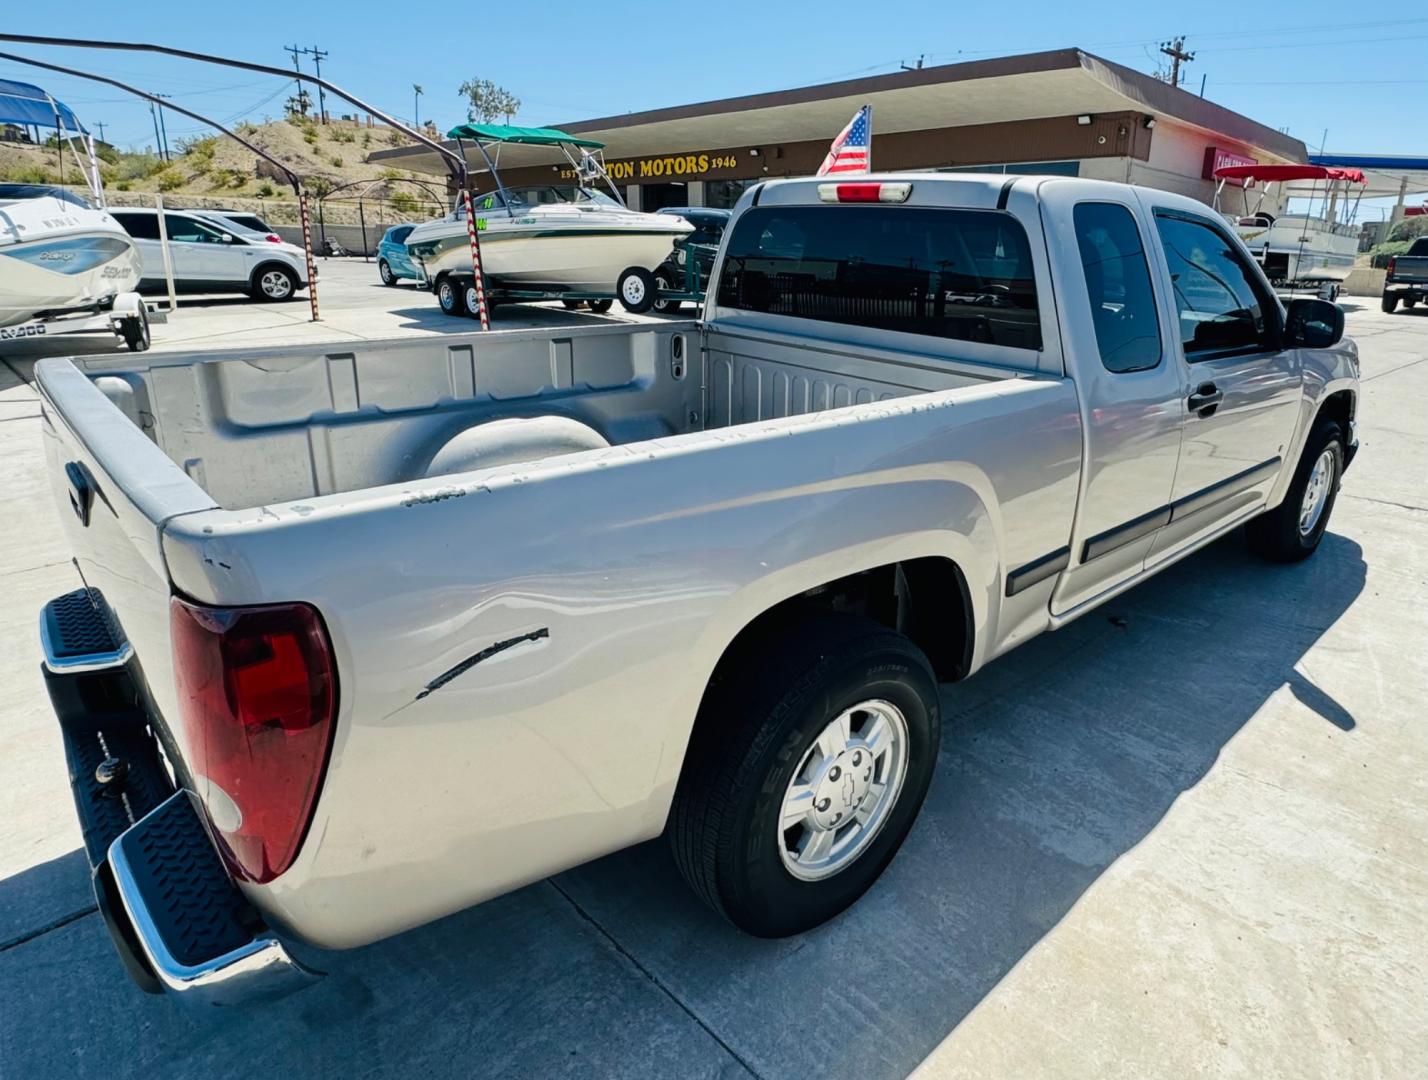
<point x="1299" y="250"/>
<point x="56" y="259"/>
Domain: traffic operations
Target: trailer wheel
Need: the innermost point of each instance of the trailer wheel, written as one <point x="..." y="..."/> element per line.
<point x="637" y="290"/>
<point x="450" y="297"/>
<point x="601" y="306"/>
<point x="472" y="305"/>
<point x="809" y="761"/>
<point x="1390" y="301"/>
<point x="572" y="305"/>
<point x="665" y="307"/>
<point x="135" y="332"/>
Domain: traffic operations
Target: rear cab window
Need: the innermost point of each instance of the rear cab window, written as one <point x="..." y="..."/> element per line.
<point x="959" y="274"/>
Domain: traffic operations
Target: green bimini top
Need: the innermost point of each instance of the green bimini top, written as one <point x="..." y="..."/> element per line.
<point x="527" y="135"/>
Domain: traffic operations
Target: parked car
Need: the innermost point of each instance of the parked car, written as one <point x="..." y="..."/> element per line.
<point x="370" y="637"/>
<point x="1407" y="279"/>
<point x="207" y="258"/>
<point x="393" y="261"/>
<point x="245" y="225"/>
<point x="702" y="245"/>
<point x="241" y="218"/>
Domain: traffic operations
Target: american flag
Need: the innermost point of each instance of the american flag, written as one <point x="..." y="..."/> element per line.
<point x="852" y="151"/>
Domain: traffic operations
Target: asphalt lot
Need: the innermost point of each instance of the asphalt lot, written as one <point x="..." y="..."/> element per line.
<point x="1186" y="835"/>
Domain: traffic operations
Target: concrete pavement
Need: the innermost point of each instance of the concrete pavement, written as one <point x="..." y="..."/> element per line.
<point x="1187" y="835"/>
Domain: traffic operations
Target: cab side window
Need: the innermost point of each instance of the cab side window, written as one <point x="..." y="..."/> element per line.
<point x="1118" y="286"/>
<point x="1222" y="306"/>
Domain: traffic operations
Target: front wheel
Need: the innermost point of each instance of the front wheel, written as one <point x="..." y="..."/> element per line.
<point x="450" y="297"/>
<point x="810" y="759"/>
<point x="1292" y="530"/>
<point x="274" y="283"/>
<point x="637" y="290"/>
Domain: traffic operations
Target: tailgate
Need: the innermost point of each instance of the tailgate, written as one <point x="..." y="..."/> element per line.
<point x="114" y="489"/>
<point x="1412" y="268"/>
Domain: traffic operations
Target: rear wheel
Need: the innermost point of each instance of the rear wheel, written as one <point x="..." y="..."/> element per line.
<point x="810" y="759"/>
<point x="665" y="307"/>
<point x="450" y="297"/>
<point x="636" y="289"/>
<point x="135" y="332"/>
<point x="1293" y="529"/>
<point x="572" y="305"/>
<point x="1390" y="301"/>
<point x="1409" y="302"/>
<point x="385" y="270"/>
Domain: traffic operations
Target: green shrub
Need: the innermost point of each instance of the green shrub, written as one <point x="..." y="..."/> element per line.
<point x="169" y="180"/>
<point x="1410" y="228"/>
<point x="343" y="135"/>
<point x="366" y="138"/>
<point x="122" y="185"/>
<point x="337" y="160"/>
<point x="405" y="204"/>
<point x="265" y="190"/>
<point x="106" y="153"/>
<point x="310" y="137"/>
<point x="31" y="174"/>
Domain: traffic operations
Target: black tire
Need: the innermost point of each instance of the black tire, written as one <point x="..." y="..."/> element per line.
<point x="601" y="306"/>
<point x="636" y="289"/>
<point x="384" y="269"/>
<point x="572" y="305"/>
<point x="273" y="284"/>
<point x="451" y="297"/>
<point x="665" y="307"/>
<point x="757" y="726"/>
<point x="1390" y="301"/>
<point x="1276" y="534"/>
<point x="1409" y="302"/>
<point x="135" y="332"/>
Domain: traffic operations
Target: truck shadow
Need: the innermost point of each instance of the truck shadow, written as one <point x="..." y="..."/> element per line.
<point x="1056" y="761"/>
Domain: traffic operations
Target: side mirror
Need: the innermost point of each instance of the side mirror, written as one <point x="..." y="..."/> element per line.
<point x="1313" y="324"/>
<point x="228" y="238"/>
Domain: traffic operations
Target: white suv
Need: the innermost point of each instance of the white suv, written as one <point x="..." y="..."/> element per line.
<point x="206" y="258"/>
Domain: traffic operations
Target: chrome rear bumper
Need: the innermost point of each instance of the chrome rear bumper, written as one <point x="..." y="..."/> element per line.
<point x="176" y="918"/>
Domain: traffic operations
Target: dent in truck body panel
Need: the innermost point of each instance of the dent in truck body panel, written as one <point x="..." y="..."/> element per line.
<point x="643" y="562"/>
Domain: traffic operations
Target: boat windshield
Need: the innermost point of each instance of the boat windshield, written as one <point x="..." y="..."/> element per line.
<point x="519" y="199"/>
<point x="42" y="191"/>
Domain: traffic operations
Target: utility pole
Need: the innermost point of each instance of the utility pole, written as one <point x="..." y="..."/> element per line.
<point x="317" y="58"/>
<point x="100" y="125"/>
<point x="158" y="143"/>
<point x="163" y="128"/>
<point x="920" y="59"/>
<point x="1176" y="51"/>
<point x="295" y="50"/>
<point x="416" y="105"/>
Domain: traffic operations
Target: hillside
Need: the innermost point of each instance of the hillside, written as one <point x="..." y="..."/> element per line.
<point x="217" y="171"/>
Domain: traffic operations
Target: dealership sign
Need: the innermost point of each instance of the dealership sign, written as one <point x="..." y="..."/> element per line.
<point x="674" y="166"/>
<point x="1215" y="158"/>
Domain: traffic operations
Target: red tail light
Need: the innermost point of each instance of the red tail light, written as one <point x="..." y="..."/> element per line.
<point x="273" y="238"/>
<point x="859" y="192"/>
<point x="257" y="693"/>
<point x="1392" y="264"/>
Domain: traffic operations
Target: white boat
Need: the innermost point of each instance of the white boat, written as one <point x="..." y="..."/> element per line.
<point x="1312" y="249"/>
<point x="552" y="238"/>
<point x="59" y="256"/>
<point x="66" y="265"/>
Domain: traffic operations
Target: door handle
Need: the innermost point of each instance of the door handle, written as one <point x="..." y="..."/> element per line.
<point x="1206" y="399"/>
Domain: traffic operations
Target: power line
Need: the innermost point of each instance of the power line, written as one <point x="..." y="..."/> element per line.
<point x="1176" y="51"/>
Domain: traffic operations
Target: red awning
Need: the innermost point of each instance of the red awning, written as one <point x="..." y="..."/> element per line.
<point x="1273" y="173"/>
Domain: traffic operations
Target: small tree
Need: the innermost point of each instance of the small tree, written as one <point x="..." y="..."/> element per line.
<point x="485" y="101"/>
<point x="299" y="103"/>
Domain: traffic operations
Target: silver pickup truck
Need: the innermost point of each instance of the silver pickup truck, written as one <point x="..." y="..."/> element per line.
<point x="370" y="633"/>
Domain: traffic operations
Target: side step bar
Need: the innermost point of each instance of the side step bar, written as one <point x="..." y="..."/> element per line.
<point x="177" y="920"/>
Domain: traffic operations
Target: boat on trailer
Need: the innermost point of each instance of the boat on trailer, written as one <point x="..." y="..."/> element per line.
<point x="562" y="238"/>
<point x="66" y="265"/>
<point x="1314" y="249"/>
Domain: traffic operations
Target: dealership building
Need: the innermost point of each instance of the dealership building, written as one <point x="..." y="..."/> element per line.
<point x="1064" y="112"/>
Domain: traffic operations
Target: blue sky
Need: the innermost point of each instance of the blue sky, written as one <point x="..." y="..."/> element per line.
<point x="1307" y="67"/>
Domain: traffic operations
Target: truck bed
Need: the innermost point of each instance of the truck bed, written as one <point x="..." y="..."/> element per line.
<point x="258" y="427"/>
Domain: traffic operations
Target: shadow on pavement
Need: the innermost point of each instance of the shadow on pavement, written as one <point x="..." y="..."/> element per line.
<point x="1055" y="761"/>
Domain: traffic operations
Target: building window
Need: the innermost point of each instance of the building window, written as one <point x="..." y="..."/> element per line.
<point x="723" y="194"/>
<point x="1020" y="168"/>
<point x="960" y="274"/>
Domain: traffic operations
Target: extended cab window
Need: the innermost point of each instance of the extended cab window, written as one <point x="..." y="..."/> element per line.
<point x="960" y="274"/>
<point x="1221" y="307"/>
<point x="1118" y="286"/>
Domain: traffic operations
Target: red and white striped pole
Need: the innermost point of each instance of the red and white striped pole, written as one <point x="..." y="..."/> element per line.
<point x="476" y="260"/>
<point x="307" y="250"/>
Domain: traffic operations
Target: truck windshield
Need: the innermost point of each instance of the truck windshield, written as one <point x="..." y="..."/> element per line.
<point x="960" y="274"/>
